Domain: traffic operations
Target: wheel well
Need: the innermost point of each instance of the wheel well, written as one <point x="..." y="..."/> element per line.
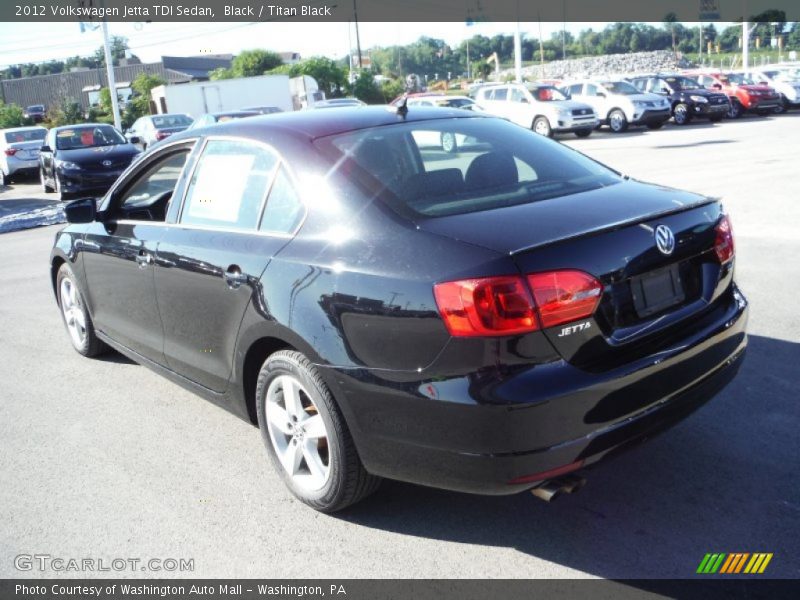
<point x="57" y="262"/>
<point x="608" y="116"/>
<point x="255" y="357"/>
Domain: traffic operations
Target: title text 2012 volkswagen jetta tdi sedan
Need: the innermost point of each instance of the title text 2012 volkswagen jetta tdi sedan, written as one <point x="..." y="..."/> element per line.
<point x="487" y="320"/>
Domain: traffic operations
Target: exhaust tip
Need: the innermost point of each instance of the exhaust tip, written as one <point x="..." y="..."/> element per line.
<point x="553" y="488"/>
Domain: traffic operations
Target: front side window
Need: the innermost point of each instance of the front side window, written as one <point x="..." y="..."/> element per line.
<point x="494" y="164"/>
<point x="500" y="94"/>
<point x="147" y="197"/>
<point x="229" y="185"/>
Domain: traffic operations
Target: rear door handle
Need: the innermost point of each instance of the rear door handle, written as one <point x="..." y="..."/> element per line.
<point x="143" y="259"/>
<point x="234" y="277"/>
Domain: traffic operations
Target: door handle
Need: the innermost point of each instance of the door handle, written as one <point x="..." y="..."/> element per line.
<point x="143" y="259"/>
<point x="234" y="277"/>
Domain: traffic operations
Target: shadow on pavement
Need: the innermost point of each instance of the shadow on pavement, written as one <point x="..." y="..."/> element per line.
<point x="724" y="480"/>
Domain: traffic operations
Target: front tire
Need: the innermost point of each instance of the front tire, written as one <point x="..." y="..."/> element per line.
<point x="617" y="121"/>
<point x="681" y="114"/>
<point x="584" y="133"/>
<point x="736" y="110"/>
<point x="542" y="126"/>
<point x="43" y="182"/>
<point x="75" y="315"/>
<point x="655" y="126"/>
<point x="307" y="439"/>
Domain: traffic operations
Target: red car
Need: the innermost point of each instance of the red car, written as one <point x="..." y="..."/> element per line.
<point x="744" y="93"/>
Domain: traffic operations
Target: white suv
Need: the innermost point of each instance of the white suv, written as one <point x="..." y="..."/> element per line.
<point x="784" y="81"/>
<point x="542" y="108"/>
<point x="619" y="104"/>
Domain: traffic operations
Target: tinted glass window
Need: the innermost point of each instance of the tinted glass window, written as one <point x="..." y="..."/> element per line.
<point x="517" y="95"/>
<point x="496" y="164"/>
<point x="156" y="184"/>
<point x="575" y="89"/>
<point x="25" y="135"/>
<point x="88" y="137"/>
<point x="284" y="210"/>
<point x="229" y="185"/>
<point x="500" y="94"/>
<point x="165" y="121"/>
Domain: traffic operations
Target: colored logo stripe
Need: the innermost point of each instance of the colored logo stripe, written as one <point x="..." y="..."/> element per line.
<point x="734" y="562"/>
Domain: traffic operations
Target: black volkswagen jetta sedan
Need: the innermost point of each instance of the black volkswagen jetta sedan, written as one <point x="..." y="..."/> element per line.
<point x="83" y="159"/>
<point x="488" y="320"/>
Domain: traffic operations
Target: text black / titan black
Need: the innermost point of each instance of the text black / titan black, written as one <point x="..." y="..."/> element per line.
<point x="484" y="316"/>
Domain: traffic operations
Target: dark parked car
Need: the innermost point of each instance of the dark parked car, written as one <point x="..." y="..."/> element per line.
<point x="221" y="117"/>
<point x="489" y="323"/>
<point x="35" y="112"/>
<point x="687" y="97"/>
<point x="83" y="159"/>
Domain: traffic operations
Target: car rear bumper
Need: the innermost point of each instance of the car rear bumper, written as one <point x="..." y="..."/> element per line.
<point x="16" y="166"/>
<point x="461" y="435"/>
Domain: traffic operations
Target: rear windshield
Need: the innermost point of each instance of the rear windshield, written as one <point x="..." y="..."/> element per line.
<point x="454" y="166"/>
<point x="25" y="135"/>
<point x="165" y="121"/>
<point x="682" y="83"/>
<point x="88" y="137"/>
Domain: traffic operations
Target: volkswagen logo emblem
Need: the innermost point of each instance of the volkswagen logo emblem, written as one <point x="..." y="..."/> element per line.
<point x="107" y="163"/>
<point x="665" y="239"/>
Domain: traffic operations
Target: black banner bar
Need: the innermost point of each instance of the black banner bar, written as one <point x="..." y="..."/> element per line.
<point x="395" y="10"/>
<point x="393" y="589"/>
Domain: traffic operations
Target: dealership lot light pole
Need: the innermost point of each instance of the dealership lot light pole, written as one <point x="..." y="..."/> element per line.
<point x="112" y="83"/>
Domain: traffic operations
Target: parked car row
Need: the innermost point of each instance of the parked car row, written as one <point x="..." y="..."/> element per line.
<point x="645" y="99"/>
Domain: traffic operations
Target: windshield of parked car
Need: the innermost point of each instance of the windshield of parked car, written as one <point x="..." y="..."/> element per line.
<point x="740" y="79"/>
<point x="25" y="135"/>
<point x="88" y="137"/>
<point x="166" y="121"/>
<point x="488" y="163"/>
<point x="546" y="93"/>
<point x="620" y="87"/>
<point x="682" y="83"/>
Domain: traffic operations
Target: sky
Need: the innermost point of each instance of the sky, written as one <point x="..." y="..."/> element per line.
<point x="39" y="42"/>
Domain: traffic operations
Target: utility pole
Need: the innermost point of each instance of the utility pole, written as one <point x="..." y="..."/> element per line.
<point x="518" y="55"/>
<point x="745" y="47"/>
<point x="358" y="39"/>
<point x="112" y="83"/>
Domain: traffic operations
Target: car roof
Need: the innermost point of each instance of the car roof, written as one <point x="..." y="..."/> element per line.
<point x="312" y="124"/>
<point x="26" y="128"/>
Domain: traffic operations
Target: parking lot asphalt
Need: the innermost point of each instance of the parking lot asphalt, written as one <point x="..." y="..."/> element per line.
<point x="104" y="459"/>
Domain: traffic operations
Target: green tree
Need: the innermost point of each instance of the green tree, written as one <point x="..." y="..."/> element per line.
<point x="10" y="116"/>
<point x="139" y="103"/>
<point x="67" y="112"/>
<point x="250" y="63"/>
<point x="221" y="73"/>
<point x="119" y="46"/>
<point x="391" y="89"/>
<point x="365" y="89"/>
<point x="669" y="22"/>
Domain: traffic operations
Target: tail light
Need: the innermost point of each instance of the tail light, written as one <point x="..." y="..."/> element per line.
<point x="11" y="151"/>
<point x="723" y="244"/>
<point x="160" y="135"/>
<point x="564" y="296"/>
<point x="493" y="306"/>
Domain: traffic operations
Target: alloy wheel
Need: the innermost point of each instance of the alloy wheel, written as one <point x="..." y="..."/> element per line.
<point x="298" y="433"/>
<point x="72" y="309"/>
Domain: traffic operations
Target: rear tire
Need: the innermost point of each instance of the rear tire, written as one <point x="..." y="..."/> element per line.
<point x="307" y="439"/>
<point x="617" y="121"/>
<point x="448" y="141"/>
<point x="542" y="126"/>
<point x="584" y="133"/>
<point x="75" y="315"/>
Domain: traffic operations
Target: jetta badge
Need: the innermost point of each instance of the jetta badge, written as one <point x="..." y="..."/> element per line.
<point x="665" y="239"/>
<point x="106" y="163"/>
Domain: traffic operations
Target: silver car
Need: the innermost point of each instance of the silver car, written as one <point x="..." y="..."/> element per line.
<point x="540" y="107"/>
<point x="19" y="151"/>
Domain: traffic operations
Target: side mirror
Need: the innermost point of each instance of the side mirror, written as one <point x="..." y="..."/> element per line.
<point x="81" y="211"/>
<point x="135" y="139"/>
<point x="45" y="148"/>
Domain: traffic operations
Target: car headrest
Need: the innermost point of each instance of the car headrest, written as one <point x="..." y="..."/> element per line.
<point x="493" y="169"/>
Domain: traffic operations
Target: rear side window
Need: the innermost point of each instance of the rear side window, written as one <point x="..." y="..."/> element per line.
<point x="229" y="185"/>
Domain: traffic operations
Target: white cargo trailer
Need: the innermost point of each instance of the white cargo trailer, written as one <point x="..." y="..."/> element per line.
<point x="202" y="97"/>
